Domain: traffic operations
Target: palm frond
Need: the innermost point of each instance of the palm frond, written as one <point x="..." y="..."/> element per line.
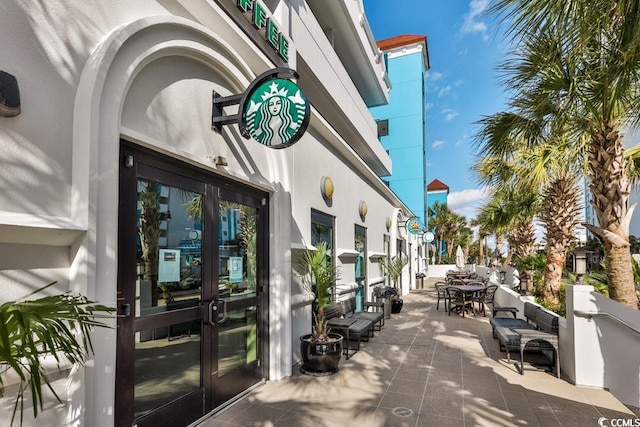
<point x="56" y="325"/>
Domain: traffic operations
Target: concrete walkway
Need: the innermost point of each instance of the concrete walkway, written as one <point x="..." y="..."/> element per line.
<point x="426" y="369"/>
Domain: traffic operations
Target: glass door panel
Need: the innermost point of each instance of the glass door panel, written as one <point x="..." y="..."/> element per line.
<point x="168" y="295"/>
<point x="165" y="369"/>
<point x="240" y="240"/>
<point x="191" y="291"/>
<point x="238" y="339"/>
<point x="237" y="251"/>
<point x="360" y="245"/>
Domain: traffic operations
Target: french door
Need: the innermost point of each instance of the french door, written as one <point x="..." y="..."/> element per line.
<point x="192" y="291"/>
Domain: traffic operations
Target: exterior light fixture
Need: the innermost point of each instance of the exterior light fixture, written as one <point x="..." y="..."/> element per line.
<point x="580" y="264"/>
<point x="9" y="95"/>
<point x="388" y="223"/>
<point x="363" y="209"/>
<point x="326" y="188"/>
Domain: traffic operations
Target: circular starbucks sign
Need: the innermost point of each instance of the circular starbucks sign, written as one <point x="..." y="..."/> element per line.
<point x="414" y="225"/>
<point x="275" y="113"/>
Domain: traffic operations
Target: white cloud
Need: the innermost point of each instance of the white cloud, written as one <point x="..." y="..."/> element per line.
<point x="444" y="91"/>
<point x="466" y="202"/>
<point x="462" y="141"/>
<point x="449" y="114"/>
<point x="434" y="76"/>
<point x="458" y="83"/>
<point x="438" y="143"/>
<point x="428" y="105"/>
<point x="472" y="20"/>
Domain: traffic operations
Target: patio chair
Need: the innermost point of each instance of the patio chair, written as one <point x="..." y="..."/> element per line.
<point x="441" y="288"/>
<point x="458" y="300"/>
<point x="455" y="282"/>
<point x="485" y="297"/>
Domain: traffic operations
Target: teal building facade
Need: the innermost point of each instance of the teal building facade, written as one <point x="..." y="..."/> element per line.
<point x="402" y="122"/>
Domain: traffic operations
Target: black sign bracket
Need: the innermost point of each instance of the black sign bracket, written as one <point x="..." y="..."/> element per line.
<point x="219" y="119"/>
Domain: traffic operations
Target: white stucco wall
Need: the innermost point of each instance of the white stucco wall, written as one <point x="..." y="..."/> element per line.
<point x="604" y="349"/>
<point x="91" y="73"/>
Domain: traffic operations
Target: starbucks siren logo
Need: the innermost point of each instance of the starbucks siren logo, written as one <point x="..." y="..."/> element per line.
<point x="277" y="113"/>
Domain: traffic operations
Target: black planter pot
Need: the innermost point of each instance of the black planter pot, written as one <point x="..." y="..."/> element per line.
<point x="396" y="305"/>
<point x="320" y="358"/>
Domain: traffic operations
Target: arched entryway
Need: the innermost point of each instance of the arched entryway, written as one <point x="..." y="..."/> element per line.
<point x="125" y="92"/>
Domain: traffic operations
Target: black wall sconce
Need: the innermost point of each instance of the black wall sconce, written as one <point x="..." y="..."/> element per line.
<point x="9" y="95"/>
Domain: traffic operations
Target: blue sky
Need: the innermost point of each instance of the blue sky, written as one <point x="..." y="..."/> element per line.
<point x="465" y="47"/>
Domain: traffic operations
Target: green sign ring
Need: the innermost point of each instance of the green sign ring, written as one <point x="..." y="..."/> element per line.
<point x="275" y="112"/>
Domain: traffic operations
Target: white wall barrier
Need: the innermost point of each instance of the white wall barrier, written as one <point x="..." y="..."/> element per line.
<point x="599" y="340"/>
<point x="604" y="337"/>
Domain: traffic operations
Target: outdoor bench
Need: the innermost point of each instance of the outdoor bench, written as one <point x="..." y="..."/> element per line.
<point x="340" y="317"/>
<point x="529" y="314"/>
<point x="349" y="310"/>
<point x="539" y="332"/>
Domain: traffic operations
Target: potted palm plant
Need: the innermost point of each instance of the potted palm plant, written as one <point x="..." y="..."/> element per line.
<point x="321" y="350"/>
<point x="30" y="329"/>
<point x="393" y="267"/>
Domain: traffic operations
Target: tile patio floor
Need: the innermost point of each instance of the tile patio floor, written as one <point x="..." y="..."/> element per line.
<point x="425" y="369"/>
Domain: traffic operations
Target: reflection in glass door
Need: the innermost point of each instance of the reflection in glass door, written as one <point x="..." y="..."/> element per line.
<point x="191" y="291"/>
<point x="169" y="256"/>
<point x="360" y="245"/>
<point x="238" y="282"/>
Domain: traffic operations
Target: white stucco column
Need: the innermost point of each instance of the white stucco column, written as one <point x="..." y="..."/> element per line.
<point x="582" y="359"/>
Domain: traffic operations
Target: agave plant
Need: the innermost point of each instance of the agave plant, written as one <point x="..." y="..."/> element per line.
<point x="56" y="325"/>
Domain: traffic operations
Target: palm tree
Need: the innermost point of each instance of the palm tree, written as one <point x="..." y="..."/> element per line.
<point x="439" y="220"/>
<point x="320" y="276"/>
<point x="149" y="233"/>
<point x="494" y="218"/>
<point x="584" y="57"/>
<point x="456" y="232"/>
<point x="464" y="236"/>
<point x="482" y="233"/>
<point x="57" y="325"/>
<point x="546" y="171"/>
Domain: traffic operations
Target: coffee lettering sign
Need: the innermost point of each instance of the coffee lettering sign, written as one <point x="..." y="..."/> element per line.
<point x="264" y="22"/>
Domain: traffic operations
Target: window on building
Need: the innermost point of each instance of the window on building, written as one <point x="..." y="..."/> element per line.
<point x="322" y="230"/>
<point x="387" y="254"/>
<point x="360" y="245"/>
<point x="383" y="127"/>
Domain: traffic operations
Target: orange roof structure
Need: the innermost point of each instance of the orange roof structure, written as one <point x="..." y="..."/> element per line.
<point x="406" y="40"/>
<point x="437" y="185"/>
<point x="399" y="41"/>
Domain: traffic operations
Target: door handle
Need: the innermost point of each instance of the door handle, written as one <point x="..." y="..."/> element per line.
<point x="214" y="313"/>
<point x="224" y="311"/>
<point x="125" y="310"/>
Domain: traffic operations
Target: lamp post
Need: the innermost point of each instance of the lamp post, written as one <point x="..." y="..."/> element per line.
<point x="580" y="264"/>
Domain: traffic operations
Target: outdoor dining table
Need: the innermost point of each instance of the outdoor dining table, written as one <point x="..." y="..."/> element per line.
<point x="470" y="290"/>
<point x="458" y="274"/>
<point x="468" y="282"/>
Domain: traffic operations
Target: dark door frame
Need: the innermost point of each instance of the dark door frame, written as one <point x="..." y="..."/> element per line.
<point x="130" y="157"/>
